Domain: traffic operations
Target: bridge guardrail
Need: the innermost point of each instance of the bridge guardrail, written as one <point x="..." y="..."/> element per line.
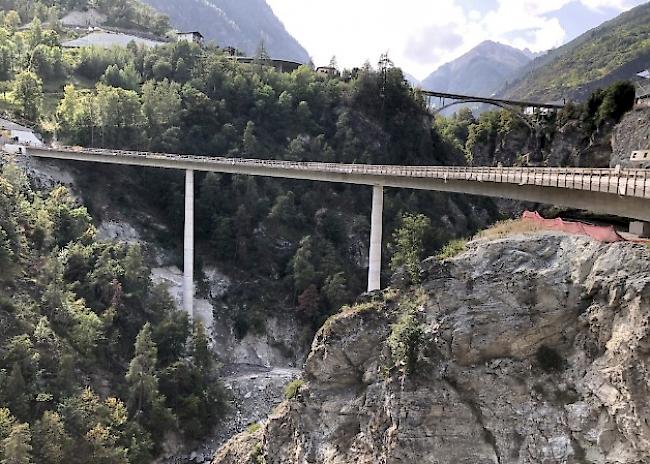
<point x="625" y="182"/>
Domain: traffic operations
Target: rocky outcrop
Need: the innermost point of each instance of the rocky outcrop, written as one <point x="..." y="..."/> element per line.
<point x="522" y="350"/>
<point x="572" y="145"/>
<point x="632" y="133"/>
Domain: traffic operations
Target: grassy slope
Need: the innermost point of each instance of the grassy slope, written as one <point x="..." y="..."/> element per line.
<point x="591" y="60"/>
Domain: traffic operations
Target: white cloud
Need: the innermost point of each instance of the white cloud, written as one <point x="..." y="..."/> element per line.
<point x="420" y="35"/>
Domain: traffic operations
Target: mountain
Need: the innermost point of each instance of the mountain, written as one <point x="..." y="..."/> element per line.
<point x="615" y="50"/>
<point x="411" y="79"/>
<point x="243" y="24"/>
<point x="481" y="71"/>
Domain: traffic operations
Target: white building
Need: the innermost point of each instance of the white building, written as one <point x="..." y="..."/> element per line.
<point x="191" y="36"/>
<point x="15" y="135"/>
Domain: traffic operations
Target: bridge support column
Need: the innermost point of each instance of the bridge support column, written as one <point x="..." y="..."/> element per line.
<point x="188" y="246"/>
<point x="640" y="228"/>
<point x="376" y="226"/>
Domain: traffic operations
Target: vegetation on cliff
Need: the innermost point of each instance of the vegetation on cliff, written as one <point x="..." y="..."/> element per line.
<point x="96" y="361"/>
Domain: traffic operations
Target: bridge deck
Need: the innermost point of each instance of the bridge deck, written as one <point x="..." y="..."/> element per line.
<point x="501" y="101"/>
<point x="623" y="182"/>
<point x="617" y="192"/>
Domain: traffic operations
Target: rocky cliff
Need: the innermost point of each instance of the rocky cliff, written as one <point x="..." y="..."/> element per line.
<point x="632" y="133"/>
<point x="528" y="349"/>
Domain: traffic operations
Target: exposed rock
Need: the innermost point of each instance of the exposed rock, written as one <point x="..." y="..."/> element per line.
<point x="282" y="343"/>
<point x="632" y="133"/>
<point x="534" y="350"/>
<point x="120" y="231"/>
<point x="172" y="278"/>
<point x="572" y="146"/>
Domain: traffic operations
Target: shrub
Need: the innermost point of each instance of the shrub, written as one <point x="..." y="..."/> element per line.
<point x="618" y="99"/>
<point x="504" y="229"/>
<point x="453" y="248"/>
<point x="293" y="388"/>
<point x="408" y="244"/>
<point x="405" y="341"/>
<point x="257" y="456"/>
<point x="254" y="427"/>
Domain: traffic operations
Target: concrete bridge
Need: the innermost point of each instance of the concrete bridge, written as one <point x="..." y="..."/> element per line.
<point x="618" y="192"/>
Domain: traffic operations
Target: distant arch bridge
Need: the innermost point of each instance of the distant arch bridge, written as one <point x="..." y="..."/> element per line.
<point x="506" y="104"/>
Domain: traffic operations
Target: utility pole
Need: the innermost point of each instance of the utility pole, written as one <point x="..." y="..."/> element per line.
<point x="385" y="64"/>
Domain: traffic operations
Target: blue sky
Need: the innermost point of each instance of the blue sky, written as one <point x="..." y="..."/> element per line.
<point x="421" y="35"/>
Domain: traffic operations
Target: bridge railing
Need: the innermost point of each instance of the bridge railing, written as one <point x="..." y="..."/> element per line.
<point x="626" y="182"/>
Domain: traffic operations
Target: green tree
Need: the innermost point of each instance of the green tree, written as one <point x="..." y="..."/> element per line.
<point x="408" y="244"/>
<point x="16" y="392"/>
<point x="17" y="446"/>
<point x="201" y="355"/>
<point x="141" y="377"/>
<point x="250" y="140"/>
<point x="303" y="270"/>
<point x="145" y="401"/>
<point x="50" y="439"/>
<point x="28" y="93"/>
<point x="617" y="100"/>
<point x="12" y="20"/>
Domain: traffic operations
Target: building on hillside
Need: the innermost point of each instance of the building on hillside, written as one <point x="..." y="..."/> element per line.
<point x="283" y="66"/>
<point x="191" y="36"/>
<point x="328" y="71"/>
<point x="232" y="51"/>
<point x="88" y="18"/>
<point x="642" y="84"/>
<point x="108" y="39"/>
<point x="13" y="135"/>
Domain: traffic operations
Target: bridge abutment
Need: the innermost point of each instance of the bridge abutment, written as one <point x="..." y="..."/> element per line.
<point x="376" y="231"/>
<point x="188" y="246"/>
<point x="640" y="228"/>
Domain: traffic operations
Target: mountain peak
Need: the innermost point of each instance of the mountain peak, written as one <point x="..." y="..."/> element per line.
<point x="234" y="23"/>
<point x="481" y="71"/>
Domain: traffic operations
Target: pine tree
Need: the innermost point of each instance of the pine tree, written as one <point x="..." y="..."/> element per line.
<point x="250" y="140"/>
<point x="146" y="403"/>
<point x="141" y="377"/>
<point x="50" y="439"/>
<point x="17" y="446"/>
<point x="201" y="350"/>
<point x="16" y="392"/>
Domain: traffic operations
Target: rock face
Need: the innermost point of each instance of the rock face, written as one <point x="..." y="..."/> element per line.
<point x="526" y="350"/>
<point x="632" y="133"/>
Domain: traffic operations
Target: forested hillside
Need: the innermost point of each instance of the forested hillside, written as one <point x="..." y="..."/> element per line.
<point x="615" y="50"/>
<point x="243" y="24"/>
<point x="95" y="364"/>
<point x="129" y="14"/>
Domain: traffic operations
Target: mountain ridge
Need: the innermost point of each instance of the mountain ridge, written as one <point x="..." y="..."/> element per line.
<point x="615" y="50"/>
<point x="243" y="24"/>
<point x="481" y="71"/>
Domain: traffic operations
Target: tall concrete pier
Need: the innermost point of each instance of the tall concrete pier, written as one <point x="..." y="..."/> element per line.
<point x="376" y="229"/>
<point x="188" y="246"/>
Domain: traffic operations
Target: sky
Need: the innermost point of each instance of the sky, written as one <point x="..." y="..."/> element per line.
<point x="421" y="35"/>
